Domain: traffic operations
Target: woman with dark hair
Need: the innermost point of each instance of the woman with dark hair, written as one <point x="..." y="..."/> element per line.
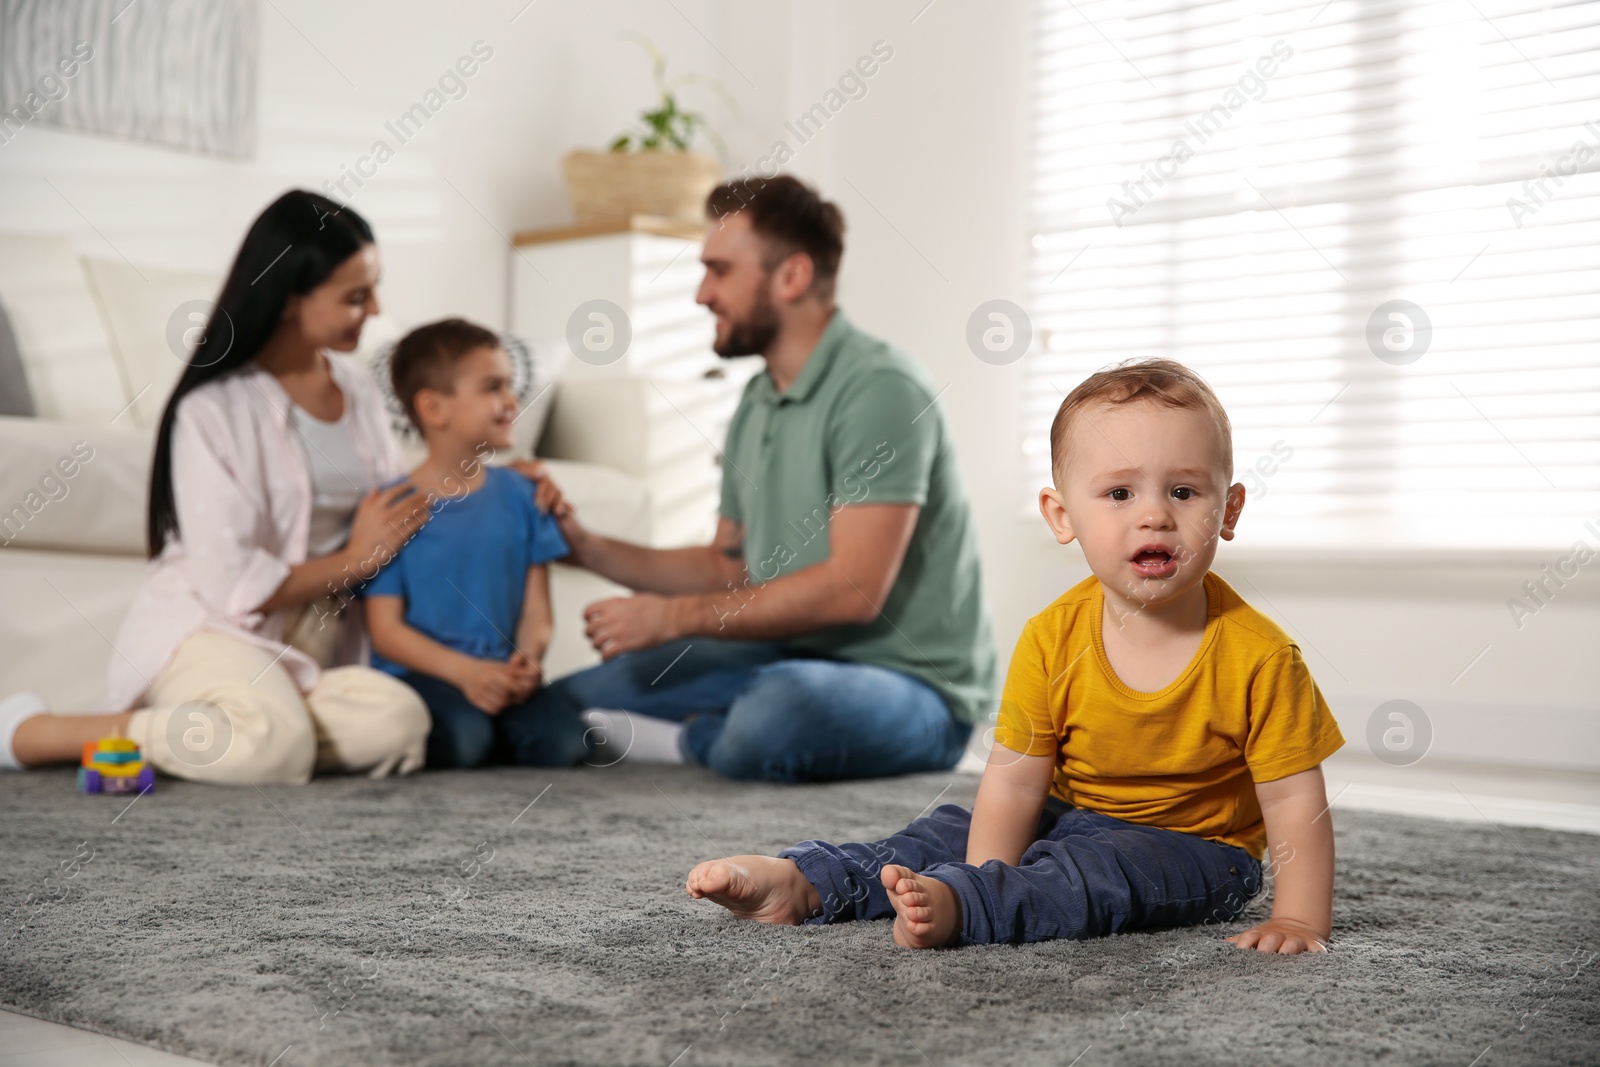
<point x="235" y="662"/>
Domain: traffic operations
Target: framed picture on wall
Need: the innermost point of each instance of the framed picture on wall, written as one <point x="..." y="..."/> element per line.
<point x="173" y="72"/>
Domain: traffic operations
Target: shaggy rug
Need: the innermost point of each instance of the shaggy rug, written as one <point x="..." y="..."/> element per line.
<point x="524" y="917"/>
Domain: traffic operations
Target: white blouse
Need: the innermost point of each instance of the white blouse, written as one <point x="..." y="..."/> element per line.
<point x="244" y="500"/>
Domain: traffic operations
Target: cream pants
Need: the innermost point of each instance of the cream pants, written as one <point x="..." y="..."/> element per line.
<point x="224" y="711"/>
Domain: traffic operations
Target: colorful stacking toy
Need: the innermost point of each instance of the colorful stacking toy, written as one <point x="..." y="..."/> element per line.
<point x="114" y="765"/>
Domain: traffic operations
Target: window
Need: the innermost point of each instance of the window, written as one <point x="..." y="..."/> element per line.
<point x="1372" y="225"/>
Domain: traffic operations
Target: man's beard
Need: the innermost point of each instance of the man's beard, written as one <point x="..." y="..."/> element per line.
<point x="754" y="334"/>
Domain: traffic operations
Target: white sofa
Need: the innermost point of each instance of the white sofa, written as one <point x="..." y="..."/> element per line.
<point x="93" y="336"/>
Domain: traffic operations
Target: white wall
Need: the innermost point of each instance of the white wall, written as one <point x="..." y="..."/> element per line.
<point x="930" y="167"/>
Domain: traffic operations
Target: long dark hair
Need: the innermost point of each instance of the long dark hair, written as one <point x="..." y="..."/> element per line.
<point x="292" y="248"/>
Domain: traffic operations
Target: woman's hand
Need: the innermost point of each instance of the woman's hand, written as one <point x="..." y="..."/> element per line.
<point x="385" y="520"/>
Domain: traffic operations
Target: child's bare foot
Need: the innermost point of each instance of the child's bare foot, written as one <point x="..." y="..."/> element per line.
<point x="763" y="888"/>
<point x="927" y="913"/>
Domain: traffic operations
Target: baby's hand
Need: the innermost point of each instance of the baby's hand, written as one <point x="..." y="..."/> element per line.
<point x="1284" y="936"/>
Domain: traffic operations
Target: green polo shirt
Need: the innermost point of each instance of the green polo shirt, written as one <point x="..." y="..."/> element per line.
<point x="859" y="425"/>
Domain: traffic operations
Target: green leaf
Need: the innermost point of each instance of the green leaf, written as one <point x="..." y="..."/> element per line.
<point x="668" y="123"/>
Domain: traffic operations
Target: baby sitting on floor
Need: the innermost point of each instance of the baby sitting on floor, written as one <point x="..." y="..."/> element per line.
<point x="1156" y="733"/>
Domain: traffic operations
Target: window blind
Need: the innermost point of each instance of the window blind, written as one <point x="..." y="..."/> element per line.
<point x="1372" y="225"/>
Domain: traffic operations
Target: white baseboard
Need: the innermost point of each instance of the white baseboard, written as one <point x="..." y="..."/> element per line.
<point x="1488" y="811"/>
<point x="1565" y="738"/>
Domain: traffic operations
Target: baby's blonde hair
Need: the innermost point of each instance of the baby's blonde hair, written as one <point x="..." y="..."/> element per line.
<point x="1165" y="381"/>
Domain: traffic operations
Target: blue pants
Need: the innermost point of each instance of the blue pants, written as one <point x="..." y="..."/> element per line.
<point x="758" y="710"/>
<point x="463" y="735"/>
<point x="1086" y="875"/>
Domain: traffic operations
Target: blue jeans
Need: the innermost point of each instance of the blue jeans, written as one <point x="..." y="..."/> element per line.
<point x="759" y="710"/>
<point x="463" y="735"/>
<point x="1086" y="875"/>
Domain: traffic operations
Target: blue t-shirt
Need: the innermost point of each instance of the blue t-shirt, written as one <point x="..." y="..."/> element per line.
<point x="463" y="575"/>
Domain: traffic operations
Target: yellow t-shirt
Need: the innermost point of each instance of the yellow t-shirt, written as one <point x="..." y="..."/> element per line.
<point x="1187" y="758"/>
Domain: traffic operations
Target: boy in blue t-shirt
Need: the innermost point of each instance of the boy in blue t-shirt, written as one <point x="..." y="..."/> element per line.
<point x="462" y="613"/>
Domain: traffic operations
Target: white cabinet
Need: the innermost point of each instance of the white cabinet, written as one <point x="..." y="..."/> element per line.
<point x="622" y="298"/>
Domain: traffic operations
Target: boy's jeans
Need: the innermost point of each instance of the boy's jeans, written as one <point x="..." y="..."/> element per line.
<point x="1086" y="875"/>
<point x="757" y="710"/>
<point x="463" y="735"/>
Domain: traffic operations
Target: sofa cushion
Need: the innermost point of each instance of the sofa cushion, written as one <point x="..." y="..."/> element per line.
<point x="66" y="354"/>
<point x="606" y="500"/>
<point x="83" y="487"/>
<point x="15" y="397"/>
<point x="75" y="485"/>
<point x="143" y="309"/>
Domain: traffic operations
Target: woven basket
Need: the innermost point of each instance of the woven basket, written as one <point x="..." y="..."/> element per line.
<point x="606" y="186"/>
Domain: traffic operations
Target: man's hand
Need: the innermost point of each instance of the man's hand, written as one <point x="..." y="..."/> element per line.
<point x="626" y="624"/>
<point x="549" y="499"/>
<point x="546" y="494"/>
<point x="490" y="686"/>
<point x="1286" y="937"/>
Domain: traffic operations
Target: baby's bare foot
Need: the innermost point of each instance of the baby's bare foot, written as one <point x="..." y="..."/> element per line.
<point x="763" y="888"/>
<point x="927" y="913"/>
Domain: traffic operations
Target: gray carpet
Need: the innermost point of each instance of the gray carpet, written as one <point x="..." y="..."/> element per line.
<point x="441" y="920"/>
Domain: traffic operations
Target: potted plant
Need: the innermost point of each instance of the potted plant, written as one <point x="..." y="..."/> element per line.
<point x="651" y="170"/>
